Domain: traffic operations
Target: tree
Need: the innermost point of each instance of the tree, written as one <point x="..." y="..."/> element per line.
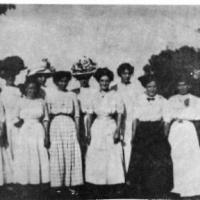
<point x="5" y="7"/>
<point x="168" y="65"/>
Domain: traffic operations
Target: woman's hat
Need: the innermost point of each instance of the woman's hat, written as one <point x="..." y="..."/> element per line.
<point x="13" y="65"/>
<point x="84" y="68"/>
<point x="44" y="69"/>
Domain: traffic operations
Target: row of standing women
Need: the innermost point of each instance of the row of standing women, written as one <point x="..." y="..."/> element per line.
<point x="105" y="137"/>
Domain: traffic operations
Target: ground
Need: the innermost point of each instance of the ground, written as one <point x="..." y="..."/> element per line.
<point x="18" y="192"/>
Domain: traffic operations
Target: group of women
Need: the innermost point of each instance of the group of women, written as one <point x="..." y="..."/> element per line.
<point x="110" y="136"/>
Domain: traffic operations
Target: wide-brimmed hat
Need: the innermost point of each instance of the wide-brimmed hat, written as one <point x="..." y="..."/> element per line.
<point x="45" y="69"/>
<point x="13" y="64"/>
<point x="84" y="68"/>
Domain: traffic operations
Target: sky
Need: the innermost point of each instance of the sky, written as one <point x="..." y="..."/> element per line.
<point x="109" y="35"/>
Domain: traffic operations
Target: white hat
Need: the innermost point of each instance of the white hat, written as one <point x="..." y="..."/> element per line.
<point x="44" y="69"/>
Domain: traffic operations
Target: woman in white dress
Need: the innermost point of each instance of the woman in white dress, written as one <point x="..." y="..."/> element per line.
<point x="65" y="153"/>
<point x="10" y="96"/>
<point x="82" y="71"/>
<point x="183" y="114"/>
<point x="31" y="159"/>
<point x="104" y="160"/>
<point x="128" y="93"/>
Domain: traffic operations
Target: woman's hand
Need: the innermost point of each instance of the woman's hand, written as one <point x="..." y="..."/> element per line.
<point x="88" y="138"/>
<point x="116" y="136"/>
<point x="19" y="123"/>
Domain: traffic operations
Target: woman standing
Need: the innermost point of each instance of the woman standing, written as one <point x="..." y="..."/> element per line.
<point x="150" y="170"/>
<point x="104" y="165"/>
<point x="183" y="115"/>
<point x="31" y="158"/>
<point x="128" y="93"/>
<point x="10" y="96"/>
<point x="82" y="71"/>
<point x="65" y="154"/>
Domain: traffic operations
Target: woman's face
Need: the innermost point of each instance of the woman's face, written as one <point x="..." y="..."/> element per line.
<point x="62" y="83"/>
<point x="31" y="90"/>
<point x="125" y="76"/>
<point x="10" y="80"/>
<point x="104" y="83"/>
<point x="41" y="79"/>
<point x="183" y="87"/>
<point x="84" y="82"/>
<point x="151" y="89"/>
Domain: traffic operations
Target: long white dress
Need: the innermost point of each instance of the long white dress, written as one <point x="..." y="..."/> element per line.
<point x="104" y="160"/>
<point x="184" y="143"/>
<point x="6" y="173"/>
<point x="10" y="97"/>
<point x="31" y="159"/>
<point x="129" y="96"/>
<point x="65" y="153"/>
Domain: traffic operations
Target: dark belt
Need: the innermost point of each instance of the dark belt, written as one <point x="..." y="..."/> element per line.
<point x="52" y="116"/>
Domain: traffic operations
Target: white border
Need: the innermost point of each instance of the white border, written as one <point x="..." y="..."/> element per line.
<point x="106" y="2"/>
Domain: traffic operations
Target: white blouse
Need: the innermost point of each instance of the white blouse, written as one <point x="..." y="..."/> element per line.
<point x="177" y="108"/>
<point x="31" y="109"/>
<point x="150" y="110"/>
<point x="129" y="95"/>
<point x="10" y="97"/>
<point x="62" y="102"/>
<point x="85" y="97"/>
<point x="106" y="103"/>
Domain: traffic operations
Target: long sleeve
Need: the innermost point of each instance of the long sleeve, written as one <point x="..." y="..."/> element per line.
<point x="76" y="106"/>
<point x="17" y="113"/>
<point x="46" y="113"/>
<point x="2" y="112"/>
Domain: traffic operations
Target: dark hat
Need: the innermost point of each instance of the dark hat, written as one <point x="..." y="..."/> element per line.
<point x="14" y="64"/>
<point x="60" y="74"/>
<point x="84" y="68"/>
<point x="147" y="78"/>
<point x="103" y="72"/>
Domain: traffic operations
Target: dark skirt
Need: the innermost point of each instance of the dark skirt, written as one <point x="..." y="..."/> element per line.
<point x="150" y="170"/>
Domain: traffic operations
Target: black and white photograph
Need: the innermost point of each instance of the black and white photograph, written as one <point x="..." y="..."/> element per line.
<point x="99" y="101"/>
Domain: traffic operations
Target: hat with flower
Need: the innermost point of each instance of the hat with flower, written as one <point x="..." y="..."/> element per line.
<point x="84" y="68"/>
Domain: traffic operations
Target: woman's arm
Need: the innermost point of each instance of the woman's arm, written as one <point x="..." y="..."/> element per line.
<point x="88" y="124"/>
<point x="3" y="135"/>
<point x="117" y="136"/>
<point x="166" y="129"/>
<point x="46" y="126"/>
<point x="77" y="116"/>
<point x="134" y="126"/>
<point x="197" y="126"/>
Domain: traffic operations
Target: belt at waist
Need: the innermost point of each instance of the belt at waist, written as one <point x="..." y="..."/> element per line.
<point x="52" y="116"/>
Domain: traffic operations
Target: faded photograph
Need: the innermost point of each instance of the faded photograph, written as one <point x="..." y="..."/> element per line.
<point x="99" y="102"/>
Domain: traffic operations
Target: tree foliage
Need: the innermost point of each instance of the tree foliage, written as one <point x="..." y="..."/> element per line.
<point x="5" y="7"/>
<point x="168" y="65"/>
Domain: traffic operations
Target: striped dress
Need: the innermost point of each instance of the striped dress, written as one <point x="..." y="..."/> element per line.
<point x="65" y="154"/>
